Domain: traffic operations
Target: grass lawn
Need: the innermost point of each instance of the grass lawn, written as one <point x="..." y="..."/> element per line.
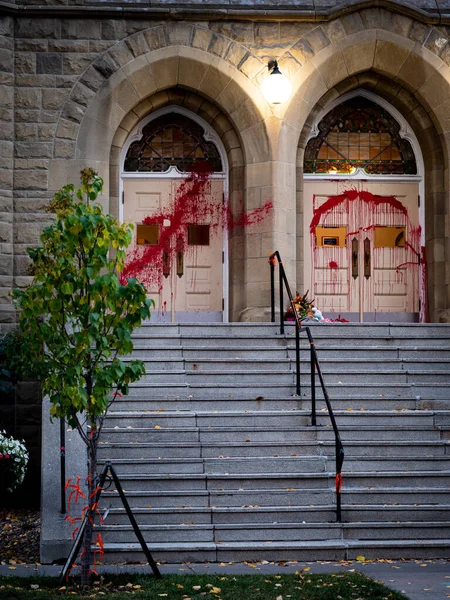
<point x="301" y="586"/>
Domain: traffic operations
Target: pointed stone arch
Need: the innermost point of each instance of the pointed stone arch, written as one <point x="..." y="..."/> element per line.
<point x="230" y="138"/>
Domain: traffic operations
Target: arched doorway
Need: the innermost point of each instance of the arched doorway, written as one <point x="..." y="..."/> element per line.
<point x="363" y="215"/>
<point x="173" y="189"/>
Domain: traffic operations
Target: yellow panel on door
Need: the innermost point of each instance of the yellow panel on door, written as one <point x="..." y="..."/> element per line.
<point x="331" y="236"/>
<point x="389" y="237"/>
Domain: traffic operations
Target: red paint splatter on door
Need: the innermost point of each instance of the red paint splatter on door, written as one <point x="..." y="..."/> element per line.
<point x="192" y="205"/>
<point x="360" y="212"/>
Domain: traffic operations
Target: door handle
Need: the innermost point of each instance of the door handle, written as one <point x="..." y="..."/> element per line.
<point x="367" y="258"/>
<point x="180" y="263"/>
<point x="180" y="257"/>
<point x="166" y="264"/>
<point x="355" y="252"/>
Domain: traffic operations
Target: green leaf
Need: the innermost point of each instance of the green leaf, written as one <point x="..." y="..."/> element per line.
<point x="67" y="288"/>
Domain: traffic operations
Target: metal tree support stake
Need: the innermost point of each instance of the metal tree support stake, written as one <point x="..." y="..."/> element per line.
<point x="108" y="468"/>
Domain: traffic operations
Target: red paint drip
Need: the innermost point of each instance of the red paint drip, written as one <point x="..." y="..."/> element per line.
<point x="361" y="211"/>
<point x="192" y="205"/>
<point x="367" y="197"/>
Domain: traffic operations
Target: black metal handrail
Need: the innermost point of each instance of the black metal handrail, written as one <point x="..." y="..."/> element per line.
<point x="62" y="464"/>
<point x="315" y="366"/>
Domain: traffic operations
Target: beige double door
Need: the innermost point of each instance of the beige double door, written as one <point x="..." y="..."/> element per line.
<point x="184" y="259"/>
<point x="362" y="248"/>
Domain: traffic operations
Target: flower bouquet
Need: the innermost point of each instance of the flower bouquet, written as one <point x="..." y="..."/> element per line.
<point x="302" y="305"/>
<point x="13" y="462"/>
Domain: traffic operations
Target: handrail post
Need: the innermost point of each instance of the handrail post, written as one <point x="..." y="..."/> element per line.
<point x="338" y="482"/>
<point x="313" y="384"/>
<point x="272" y="288"/>
<point x="62" y="463"/>
<point x="338" y="507"/>
<point x="280" y="272"/>
<point x="297" y="356"/>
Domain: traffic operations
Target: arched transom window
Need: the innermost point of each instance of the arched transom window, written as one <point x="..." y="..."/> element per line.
<point x="172" y="140"/>
<point x="359" y="134"/>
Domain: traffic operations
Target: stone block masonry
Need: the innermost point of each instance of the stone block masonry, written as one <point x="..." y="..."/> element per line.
<point x="6" y="167"/>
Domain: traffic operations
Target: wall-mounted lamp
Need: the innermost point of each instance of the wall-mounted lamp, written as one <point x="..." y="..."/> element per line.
<point x="276" y="88"/>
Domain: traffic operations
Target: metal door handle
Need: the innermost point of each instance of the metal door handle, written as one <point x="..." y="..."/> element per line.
<point x="180" y="257"/>
<point x="367" y="258"/>
<point x="355" y="252"/>
<point x="180" y="264"/>
<point x="166" y="264"/>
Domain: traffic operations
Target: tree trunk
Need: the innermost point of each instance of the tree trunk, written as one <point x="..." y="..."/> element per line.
<point x="86" y="555"/>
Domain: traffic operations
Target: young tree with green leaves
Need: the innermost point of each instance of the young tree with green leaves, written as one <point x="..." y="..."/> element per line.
<point x="77" y="319"/>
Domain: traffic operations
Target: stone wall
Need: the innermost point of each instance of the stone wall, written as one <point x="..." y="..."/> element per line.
<point x="307" y="9"/>
<point x="80" y="82"/>
<point x="6" y="167"/>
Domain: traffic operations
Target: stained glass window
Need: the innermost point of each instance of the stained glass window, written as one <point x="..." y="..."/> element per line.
<point x="171" y="140"/>
<point x="359" y="134"/>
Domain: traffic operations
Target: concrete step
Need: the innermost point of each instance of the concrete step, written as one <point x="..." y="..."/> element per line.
<point x="286" y="418"/>
<point x="158" y="433"/>
<point x="362" y="449"/>
<point x="366" y="350"/>
<point x="282" y="464"/>
<point x="320" y="494"/>
<point x="300" y="551"/>
<point x="414" y="480"/>
<point x="219" y="340"/>
<point x="243" y="516"/>
<point x="276" y="532"/>
<point x="383" y="464"/>
<point x="213" y="498"/>
<point x="239" y="390"/>
<point x="210" y="482"/>
<point x="328" y="365"/>
<point x="262" y="403"/>
<point x="259" y="375"/>
<point x="304" y="465"/>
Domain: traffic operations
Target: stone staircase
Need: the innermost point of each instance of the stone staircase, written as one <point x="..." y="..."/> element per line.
<point x="219" y="460"/>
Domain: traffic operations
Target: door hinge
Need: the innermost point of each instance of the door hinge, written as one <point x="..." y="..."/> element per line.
<point x="223" y="303"/>
<point x="123" y="197"/>
<point x="223" y="257"/>
<point x="418" y="200"/>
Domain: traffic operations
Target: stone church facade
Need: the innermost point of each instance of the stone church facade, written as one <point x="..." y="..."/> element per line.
<point x="77" y="80"/>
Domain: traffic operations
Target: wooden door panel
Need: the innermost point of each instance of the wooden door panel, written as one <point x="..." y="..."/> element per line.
<point x="334" y="304"/>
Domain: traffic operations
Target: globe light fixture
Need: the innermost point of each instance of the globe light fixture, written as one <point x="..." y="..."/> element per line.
<point x="276" y="88"/>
